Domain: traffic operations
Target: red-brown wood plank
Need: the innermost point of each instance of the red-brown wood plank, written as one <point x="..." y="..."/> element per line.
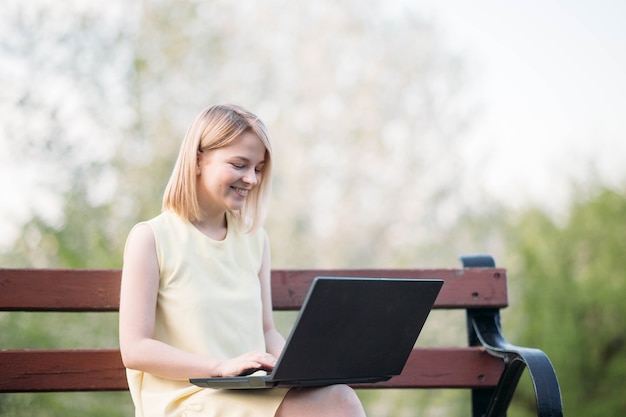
<point x="463" y="288"/>
<point x="61" y="370"/>
<point x="462" y="367"/>
<point x="59" y="289"/>
<point x="98" y="290"/>
<point x="102" y="370"/>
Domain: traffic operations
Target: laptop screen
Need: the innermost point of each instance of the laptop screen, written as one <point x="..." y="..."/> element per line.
<point x="356" y="327"/>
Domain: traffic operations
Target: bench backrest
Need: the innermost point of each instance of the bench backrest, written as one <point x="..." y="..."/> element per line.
<point x="57" y="290"/>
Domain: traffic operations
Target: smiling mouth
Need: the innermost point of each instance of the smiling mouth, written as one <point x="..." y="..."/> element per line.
<point x="241" y="191"/>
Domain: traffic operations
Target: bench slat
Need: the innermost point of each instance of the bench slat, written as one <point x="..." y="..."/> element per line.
<point x="59" y="290"/>
<point x="98" y="290"/>
<point x="463" y="288"/>
<point x="462" y="367"/>
<point x="62" y="370"/>
<point x="102" y="370"/>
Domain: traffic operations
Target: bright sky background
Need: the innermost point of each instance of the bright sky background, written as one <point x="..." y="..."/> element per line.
<point x="551" y="78"/>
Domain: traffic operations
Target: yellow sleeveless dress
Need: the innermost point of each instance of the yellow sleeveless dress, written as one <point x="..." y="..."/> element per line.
<point x="209" y="302"/>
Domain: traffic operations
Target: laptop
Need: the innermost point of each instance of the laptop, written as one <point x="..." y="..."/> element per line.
<point x="348" y="331"/>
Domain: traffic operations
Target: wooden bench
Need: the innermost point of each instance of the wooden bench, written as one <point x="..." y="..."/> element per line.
<point x="489" y="366"/>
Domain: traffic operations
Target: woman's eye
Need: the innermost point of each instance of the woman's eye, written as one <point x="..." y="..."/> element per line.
<point x="238" y="166"/>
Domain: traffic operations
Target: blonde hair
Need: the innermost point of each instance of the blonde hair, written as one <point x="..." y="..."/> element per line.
<point x="216" y="127"/>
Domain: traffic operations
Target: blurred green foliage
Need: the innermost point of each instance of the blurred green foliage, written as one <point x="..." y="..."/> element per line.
<point x="568" y="282"/>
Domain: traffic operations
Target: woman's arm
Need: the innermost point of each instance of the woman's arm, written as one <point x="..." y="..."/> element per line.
<point x="140" y="283"/>
<point x="274" y="341"/>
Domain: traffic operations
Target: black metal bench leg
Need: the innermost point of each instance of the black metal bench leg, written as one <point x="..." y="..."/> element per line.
<point x="481" y="397"/>
<point x="484" y="330"/>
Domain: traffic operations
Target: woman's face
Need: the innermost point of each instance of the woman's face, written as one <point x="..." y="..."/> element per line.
<point x="226" y="175"/>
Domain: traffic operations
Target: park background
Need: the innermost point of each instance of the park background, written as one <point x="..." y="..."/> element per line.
<point x="406" y="133"/>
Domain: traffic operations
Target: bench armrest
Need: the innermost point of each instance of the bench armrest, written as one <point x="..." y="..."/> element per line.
<point x="484" y="330"/>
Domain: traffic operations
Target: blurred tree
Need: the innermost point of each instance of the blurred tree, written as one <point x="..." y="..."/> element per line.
<point x="569" y="286"/>
<point x="364" y="104"/>
<point x="65" y="78"/>
<point x="66" y="82"/>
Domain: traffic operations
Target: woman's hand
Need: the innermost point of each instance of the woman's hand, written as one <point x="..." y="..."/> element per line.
<point x="246" y="364"/>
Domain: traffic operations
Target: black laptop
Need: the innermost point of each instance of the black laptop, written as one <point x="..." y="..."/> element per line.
<point x="349" y="330"/>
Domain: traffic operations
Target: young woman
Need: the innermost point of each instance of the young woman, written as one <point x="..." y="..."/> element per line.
<point x="195" y="296"/>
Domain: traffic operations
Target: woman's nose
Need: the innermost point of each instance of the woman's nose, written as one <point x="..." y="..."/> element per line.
<point x="251" y="177"/>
